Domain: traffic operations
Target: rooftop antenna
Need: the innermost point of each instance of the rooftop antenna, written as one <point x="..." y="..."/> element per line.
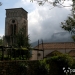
<point x="42" y="48"/>
<point x="38" y="49"/>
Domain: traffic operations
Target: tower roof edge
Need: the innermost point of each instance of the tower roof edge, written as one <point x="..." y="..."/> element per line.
<point x="16" y="8"/>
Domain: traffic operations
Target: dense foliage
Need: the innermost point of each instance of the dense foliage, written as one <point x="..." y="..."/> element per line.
<point x="49" y="66"/>
<point x="1" y="42"/>
<point x="22" y="40"/>
<point x="22" y="48"/>
<point x="58" y="62"/>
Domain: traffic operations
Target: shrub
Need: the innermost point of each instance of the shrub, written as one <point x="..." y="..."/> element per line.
<point x="58" y="62"/>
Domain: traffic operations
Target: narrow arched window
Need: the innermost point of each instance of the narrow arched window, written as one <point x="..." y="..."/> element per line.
<point x="13" y="28"/>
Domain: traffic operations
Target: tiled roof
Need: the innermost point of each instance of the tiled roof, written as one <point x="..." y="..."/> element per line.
<point x="72" y="53"/>
<point x="53" y="53"/>
<point x="62" y="45"/>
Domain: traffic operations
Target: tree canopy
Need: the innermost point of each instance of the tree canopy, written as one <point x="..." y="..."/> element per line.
<point x="22" y="46"/>
<point x="58" y="62"/>
<point x="22" y="40"/>
<point x="1" y="41"/>
<point x="69" y="24"/>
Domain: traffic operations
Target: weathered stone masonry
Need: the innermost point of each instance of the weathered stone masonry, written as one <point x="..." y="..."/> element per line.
<point x="16" y="18"/>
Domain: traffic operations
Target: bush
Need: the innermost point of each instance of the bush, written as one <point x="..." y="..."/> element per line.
<point x="37" y="68"/>
<point x="58" y="62"/>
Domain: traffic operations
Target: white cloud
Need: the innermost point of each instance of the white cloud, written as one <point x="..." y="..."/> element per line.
<point x="42" y="22"/>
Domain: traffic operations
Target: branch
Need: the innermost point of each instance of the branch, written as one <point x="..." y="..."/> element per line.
<point x="0" y="3"/>
<point x="65" y="6"/>
<point x="51" y="8"/>
<point x="54" y="3"/>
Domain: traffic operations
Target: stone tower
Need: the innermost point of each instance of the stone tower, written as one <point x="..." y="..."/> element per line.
<point x="16" y="18"/>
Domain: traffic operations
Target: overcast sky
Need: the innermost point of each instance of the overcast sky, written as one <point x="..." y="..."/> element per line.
<point x="43" y="21"/>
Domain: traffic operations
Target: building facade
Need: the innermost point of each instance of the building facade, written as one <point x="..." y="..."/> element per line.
<point x="16" y="18"/>
<point x="44" y="50"/>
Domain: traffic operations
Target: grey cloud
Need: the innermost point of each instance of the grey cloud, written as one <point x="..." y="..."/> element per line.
<point x="50" y="23"/>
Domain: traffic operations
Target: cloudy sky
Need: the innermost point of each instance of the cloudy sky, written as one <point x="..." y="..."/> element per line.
<point x="43" y="21"/>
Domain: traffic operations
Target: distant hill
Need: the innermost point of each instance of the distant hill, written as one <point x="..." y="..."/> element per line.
<point x="56" y="37"/>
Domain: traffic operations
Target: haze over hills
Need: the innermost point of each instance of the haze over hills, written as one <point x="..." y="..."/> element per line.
<point x="56" y="37"/>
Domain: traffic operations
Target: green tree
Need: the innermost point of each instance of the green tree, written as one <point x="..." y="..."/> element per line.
<point x="22" y="46"/>
<point x="22" y="40"/>
<point x="1" y="41"/>
<point x="69" y="24"/>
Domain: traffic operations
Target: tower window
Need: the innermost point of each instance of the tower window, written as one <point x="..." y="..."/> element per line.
<point x="14" y="29"/>
<point x="13" y="21"/>
<point x="11" y="28"/>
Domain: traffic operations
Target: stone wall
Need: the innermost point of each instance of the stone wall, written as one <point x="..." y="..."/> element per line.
<point x="16" y="67"/>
